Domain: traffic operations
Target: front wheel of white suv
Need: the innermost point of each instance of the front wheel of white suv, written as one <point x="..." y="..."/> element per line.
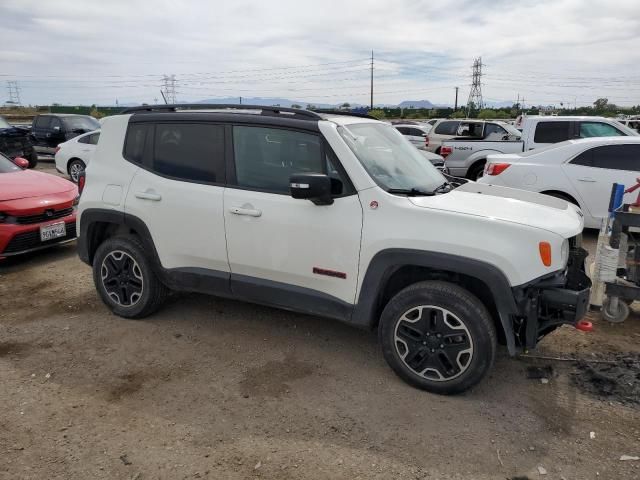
<point x="124" y="278"/>
<point x="438" y="337"/>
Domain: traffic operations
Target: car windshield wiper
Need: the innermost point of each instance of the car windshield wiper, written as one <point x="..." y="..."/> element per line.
<point x="444" y="188"/>
<point x="411" y="192"/>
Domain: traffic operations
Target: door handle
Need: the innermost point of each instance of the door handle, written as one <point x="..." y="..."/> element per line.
<point x="251" y="212"/>
<point x="149" y="195"/>
<point x="587" y="180"/>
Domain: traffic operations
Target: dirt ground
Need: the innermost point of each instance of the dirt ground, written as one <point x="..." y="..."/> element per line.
<point x="210" y="388"/>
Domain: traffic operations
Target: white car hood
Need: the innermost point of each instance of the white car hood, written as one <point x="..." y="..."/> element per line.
<point x="509" y="205"/>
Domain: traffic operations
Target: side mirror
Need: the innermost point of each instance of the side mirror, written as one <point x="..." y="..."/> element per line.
<point x="21" y="162"/>
<point x="311" y="186"/>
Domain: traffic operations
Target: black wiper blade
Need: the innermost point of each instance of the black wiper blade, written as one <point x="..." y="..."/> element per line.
<point x="411" y="192"/>
<point x="441" y="188"/>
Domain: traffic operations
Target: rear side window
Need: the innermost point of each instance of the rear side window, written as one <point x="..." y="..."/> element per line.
<point x="43" y="121"/>
<point x="403" y="130"/>
<point x="193" y="152"/>
<point x="552" y="132"/>
<point x="447" y="128"/>
<point x="135" y="142"/>
<point x="90" y="139"/>
<point x="598" y="129"/>
<point x="416" y="132"/>
<point x="612" y="157"/>
<point x="265" y="158"/>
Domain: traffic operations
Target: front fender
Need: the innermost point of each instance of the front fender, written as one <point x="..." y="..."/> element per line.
<point x="386" y="262"/>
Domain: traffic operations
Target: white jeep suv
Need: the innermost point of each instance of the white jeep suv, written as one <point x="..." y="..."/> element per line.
<point x="329" y="214"/>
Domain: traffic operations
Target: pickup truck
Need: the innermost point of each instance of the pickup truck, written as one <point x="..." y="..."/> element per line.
<point x="467" y="158"/>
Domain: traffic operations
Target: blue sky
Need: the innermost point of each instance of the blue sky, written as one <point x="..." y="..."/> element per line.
<point x="94" y="51"/>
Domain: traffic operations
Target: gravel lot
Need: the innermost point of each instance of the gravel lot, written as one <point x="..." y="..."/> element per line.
<point x="211" y="388"/>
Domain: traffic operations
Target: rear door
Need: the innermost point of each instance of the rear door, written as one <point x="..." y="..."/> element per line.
<point x="39" y="131"/>
<point x="178" y="193"/>
<point x="285" y="251"/>
<point x="593" y="172"/>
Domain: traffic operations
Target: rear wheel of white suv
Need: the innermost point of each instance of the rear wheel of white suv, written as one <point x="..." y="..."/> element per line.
<point x="437" y="336"/>
<point x="124" y="278"/>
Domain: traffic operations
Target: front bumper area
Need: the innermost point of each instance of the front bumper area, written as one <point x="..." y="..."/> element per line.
<point x="556" y="299"/>
<point x="18" y="239"/>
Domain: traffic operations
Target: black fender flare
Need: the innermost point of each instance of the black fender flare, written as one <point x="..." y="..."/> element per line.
<point x="387" y="262"/>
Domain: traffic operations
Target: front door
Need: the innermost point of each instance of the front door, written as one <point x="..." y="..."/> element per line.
<point x="283" y="251"/>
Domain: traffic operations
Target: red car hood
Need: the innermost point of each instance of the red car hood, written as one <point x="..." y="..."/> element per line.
<point x="29" y="183"/>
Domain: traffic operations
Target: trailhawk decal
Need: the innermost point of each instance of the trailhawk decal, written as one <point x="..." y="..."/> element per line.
<point x="329" y="273"/>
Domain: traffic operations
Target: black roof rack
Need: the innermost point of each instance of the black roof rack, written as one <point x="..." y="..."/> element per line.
<point x="343" y="112"/>
<point x="265" y="110"/>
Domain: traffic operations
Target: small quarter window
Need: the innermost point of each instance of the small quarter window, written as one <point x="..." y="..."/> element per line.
<point x="135" y="141"/>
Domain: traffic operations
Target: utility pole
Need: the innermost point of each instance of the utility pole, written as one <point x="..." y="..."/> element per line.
<point x="240" y="100"/>
<point x="475" y="95"/>
<point x="14" y="92"/>
<point x="455" y="109"/>
<point x="371" y="79"/>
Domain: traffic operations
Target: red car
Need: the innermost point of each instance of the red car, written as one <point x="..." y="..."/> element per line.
<point x="36" y="209"/>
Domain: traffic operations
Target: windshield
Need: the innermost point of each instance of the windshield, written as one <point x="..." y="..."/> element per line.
<point x="7" y="165"/>
<point x="391" y="160"/>
<point x="511" y="130"/>
<point x="4" y="123"/>
<point x="81" y="123"/>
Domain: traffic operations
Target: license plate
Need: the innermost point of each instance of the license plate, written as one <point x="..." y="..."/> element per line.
<point x="55" y="230"/>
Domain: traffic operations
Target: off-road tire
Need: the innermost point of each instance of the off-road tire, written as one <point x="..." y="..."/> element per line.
<point x="153" y="292"/>
<point x="463" y="308"/>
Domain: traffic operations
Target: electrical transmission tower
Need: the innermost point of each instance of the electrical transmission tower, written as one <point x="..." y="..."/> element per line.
<point x="14" y="92"/>
<point x="475" y="95"/>
<point x="169" y="88"/>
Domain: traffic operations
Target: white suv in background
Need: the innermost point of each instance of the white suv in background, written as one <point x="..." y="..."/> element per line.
<point x="333" y="215"/>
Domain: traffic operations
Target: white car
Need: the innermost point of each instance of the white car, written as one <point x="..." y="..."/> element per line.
<point x="579" y="171"/>
<point x="414" y="132"/>
<point x="333" y="215"/>
<point x="73" y="156"/>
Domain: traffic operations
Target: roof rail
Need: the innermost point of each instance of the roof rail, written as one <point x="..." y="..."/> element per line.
<point x="343" y="112"/>
<point x="265" y="110"/>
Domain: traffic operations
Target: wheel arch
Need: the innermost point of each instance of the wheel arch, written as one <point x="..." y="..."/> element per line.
<point x="392" y="270"/>
<point x="96" y="225"/>
<point x="72" y="159"/>
<point x="564" y="195"/>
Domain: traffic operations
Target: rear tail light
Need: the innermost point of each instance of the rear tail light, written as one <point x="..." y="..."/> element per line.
<point x="426" y="140"/>
<point x="445" y="151"/>
<point x="496" y="168"/>
<point x="57" y="149"/>
<point x="82" y="178"/>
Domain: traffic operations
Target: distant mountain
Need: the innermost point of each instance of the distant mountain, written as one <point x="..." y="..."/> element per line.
<point x="264" y="101"/>
<point x="416" y="104"/>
